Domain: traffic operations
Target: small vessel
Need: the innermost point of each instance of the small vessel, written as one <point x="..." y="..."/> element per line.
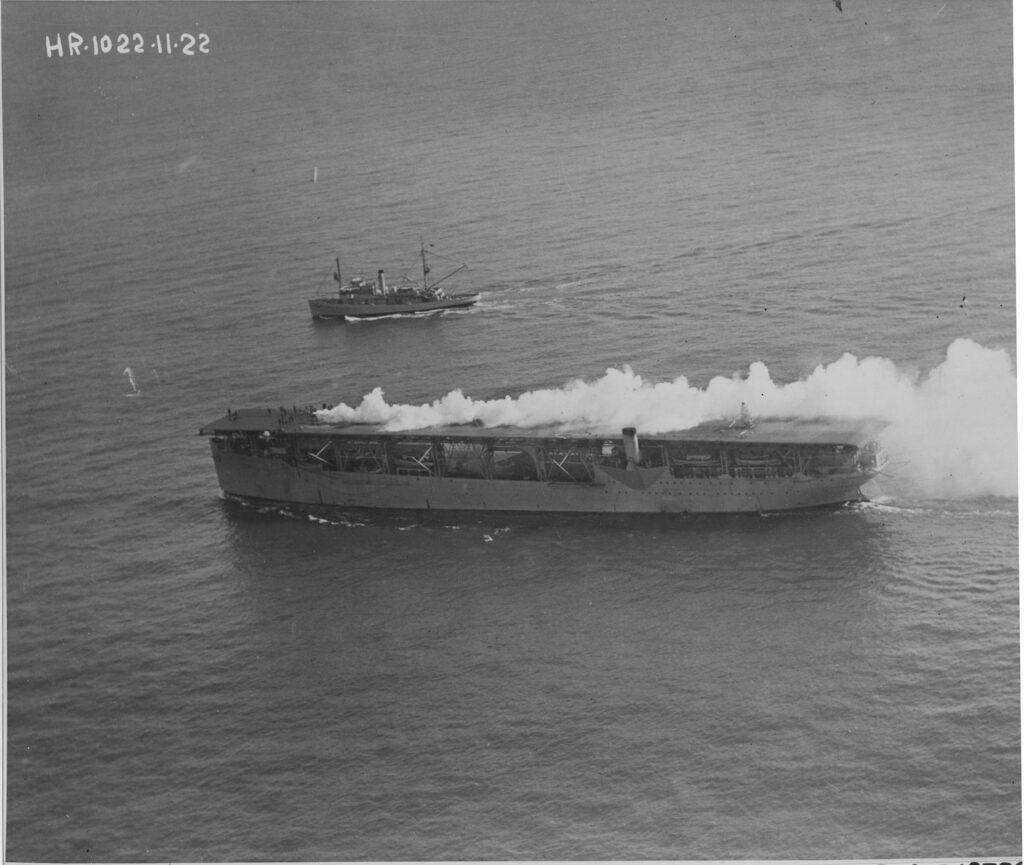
<point x="297" y="458"/>
<point x="366" y="298"/>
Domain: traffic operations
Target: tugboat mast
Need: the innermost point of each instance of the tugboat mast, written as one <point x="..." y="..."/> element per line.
<point x="426" y="268"/>
<point x="423" y="255"/>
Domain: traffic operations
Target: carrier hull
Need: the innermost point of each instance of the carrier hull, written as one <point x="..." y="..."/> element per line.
<point x="297" y="457"/>
<point x="258" y="479"/>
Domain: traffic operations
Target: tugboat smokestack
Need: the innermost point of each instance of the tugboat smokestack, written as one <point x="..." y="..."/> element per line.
<point x="631" y="446"/>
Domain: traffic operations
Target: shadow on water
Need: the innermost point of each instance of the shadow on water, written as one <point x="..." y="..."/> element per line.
<point x="270" y="542"/>
<point x="591" y="577"/>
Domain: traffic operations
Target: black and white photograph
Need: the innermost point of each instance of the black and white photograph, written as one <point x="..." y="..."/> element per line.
<point x="544" y="430"/>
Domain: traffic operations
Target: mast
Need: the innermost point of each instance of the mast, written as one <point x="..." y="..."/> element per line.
<point x="426" y="268"/>
<point x="423" y="255"/>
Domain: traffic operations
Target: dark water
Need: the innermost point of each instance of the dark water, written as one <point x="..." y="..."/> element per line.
<point x="683" y="190"/>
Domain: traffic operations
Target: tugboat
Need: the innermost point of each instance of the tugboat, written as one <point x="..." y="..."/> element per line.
<point x="365" y="298"/>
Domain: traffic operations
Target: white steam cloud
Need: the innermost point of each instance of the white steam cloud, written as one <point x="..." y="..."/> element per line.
<point x="951" y="433"/>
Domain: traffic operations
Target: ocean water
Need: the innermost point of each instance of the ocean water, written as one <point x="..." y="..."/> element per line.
<point x="670" y="209"/>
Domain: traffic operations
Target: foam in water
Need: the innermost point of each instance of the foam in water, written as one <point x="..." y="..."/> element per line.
<point x="950" y="433"/>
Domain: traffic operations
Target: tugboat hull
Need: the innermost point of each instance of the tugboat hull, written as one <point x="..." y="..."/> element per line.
<point x="330" y="307"/>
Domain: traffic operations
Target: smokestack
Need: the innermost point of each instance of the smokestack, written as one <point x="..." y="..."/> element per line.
<point x="631" y="446"/>
<point x="381" y="287"/>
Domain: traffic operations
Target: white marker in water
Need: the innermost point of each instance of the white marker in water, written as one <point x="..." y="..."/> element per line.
<point x="131" y="380"/>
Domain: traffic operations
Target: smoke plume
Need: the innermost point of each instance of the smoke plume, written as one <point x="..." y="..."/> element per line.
<point x="950" y="433"/>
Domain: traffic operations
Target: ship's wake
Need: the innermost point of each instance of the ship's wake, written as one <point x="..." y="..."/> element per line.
<point x="950" y="432"/>
<point x="426" y="313"/>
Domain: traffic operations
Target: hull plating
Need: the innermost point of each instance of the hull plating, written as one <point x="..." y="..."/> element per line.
<point x="657" y="491"/>
<point x="333" y="308"/>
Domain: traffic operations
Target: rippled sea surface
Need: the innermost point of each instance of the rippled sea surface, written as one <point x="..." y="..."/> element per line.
<point x="680" y="189"/>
